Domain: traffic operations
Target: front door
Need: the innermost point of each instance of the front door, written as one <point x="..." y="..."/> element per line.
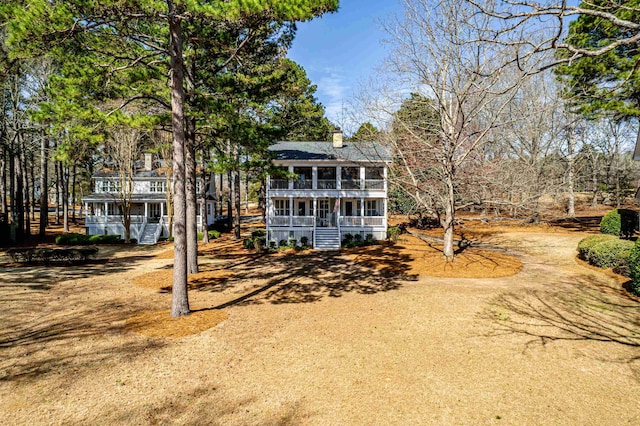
<point x="324" y="212"/>
<point x="154" y="212"/>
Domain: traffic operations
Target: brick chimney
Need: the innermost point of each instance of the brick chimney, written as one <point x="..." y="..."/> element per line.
<point x="337" y="138"/>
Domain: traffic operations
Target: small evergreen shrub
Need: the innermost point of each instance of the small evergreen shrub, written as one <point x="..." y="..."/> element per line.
<point x="634" y="268"/>
<point x="272" y="244"/>
<point x="606" y="251"/>
<point x="257" y="233"/>
<point x="347" y="239"/>
<point x="620" y="222"/>
<point x="248" y="243"/>
<point x="368" y="238"/>
<point x="282" y="243"/>
<point x="304" y="241"/>
<point x="357" y="238"/>
<point x="260" y="244"/>
<point x="81" y="239"/>
<point x="293" y="242"/>
<point x="393" y="233"/>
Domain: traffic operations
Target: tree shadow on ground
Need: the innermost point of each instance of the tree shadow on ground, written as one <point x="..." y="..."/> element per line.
<point x="42" y="277"/>
<point x="578" y="224"/>
<point x="30" y="348"/>
<point x="311" y="276"/>
<point x="582" y="309"/>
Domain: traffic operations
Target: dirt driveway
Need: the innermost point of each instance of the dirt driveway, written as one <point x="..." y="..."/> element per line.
<point x="322" y="340"/>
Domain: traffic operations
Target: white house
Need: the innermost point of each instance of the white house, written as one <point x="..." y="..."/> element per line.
<point x="149" y="220"/>
<point x="339" y="188"/>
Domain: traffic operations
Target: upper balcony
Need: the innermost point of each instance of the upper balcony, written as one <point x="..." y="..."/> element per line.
<point x="345" y="178"/>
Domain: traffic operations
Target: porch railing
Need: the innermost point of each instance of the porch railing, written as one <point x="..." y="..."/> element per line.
<point x="374" y="184"/>
<point x="361" y="220"/>
<point x="350" y="184"/>
<point x="291" y="221"/>
<point x="279" y="184"/>
<point x="303" y="184"/>
<point x="327" y="184"/>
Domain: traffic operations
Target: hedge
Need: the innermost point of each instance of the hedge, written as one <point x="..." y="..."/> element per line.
<point x="213" y="234"/>
<point x="82" y="239"/>
<point x="606" y="251"/>
<point x="620" y="222"/>
<point x="634" y="268"/>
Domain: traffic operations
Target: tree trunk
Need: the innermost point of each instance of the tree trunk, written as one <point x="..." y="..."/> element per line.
<point x="220" y="198"/>
<point x="65" y="197"/>
<point x="203" y="202"/>
<point x="190" y="189"/>
<point x="246" y="192"/>
<point x="180" y="296"/>
<point x="57" y="199"/>
<point x="449" y="219"/>
<point x="73" y="193"/>
<point x="571" y="209"/>
<point x="44" y="195"/>
<point x="3" y="181"/>
<point x="236" y="196"/>
<point x="230" y="200"/>
<point x="26" y="186"/>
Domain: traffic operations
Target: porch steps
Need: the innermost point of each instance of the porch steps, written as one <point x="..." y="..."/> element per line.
<point x="327" y="239"/>
<point x="149" y="234"/>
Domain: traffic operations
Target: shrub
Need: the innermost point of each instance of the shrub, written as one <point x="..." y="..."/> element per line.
<point x="304" y="241"/>
<point x="248" y="243"/>
<point x="369" y="238"/>
<point x="272" y="244"/>
<point x="293" y="242"/>
<point x="357" y="238"/>
<point x="620" y="222"/>
<point x="393" y="233"/>
<point x="282" y="243"/>
<point x="257" y="233"/>
<point x="259" y="243"/>
<point x="347" y="239"/>
<point x="606" y="251"/>
<point x="73" y="239"/>
<point x="634" y="268"/>
<point x="213" y="234"/>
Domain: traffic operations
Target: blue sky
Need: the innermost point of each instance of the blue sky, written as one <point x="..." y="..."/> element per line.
<point x="341" y="49"/>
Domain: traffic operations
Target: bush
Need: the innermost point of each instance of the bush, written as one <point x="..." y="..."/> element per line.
<point x="347" y="239"/>
<point x="293" y="242"/>
<point x="634" y="268"/>
<point x="81" y="239"/>
<point x="213" y="234"/>
<point x="357" y="238"/>
<point x="260" y="243"/>
<point x="282" y="243"/>
<point x="620" y="222"/>
<point x="304" y="241"/>
<point x="257" y="233"/>
<point x="369" y="238"/>
<point x="248" y="243"/>
<point x="393" y="233"/>
<point x="607" y="252"/>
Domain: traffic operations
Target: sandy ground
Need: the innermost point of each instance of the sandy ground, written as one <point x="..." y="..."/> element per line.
<point x="322" y="339"/>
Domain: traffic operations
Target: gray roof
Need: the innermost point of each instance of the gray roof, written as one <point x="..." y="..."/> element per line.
<point x="103" y="196"/>
<point x="323" y="151"/>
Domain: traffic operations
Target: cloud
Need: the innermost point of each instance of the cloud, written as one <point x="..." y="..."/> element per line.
<point x="332" y="91"/>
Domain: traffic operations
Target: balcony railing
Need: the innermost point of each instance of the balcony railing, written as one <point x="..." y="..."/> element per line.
<point x="350" y="184"/>
<point x="327" y="184"/>
<point x="374" y="184"/>
<point x="303" y="184"/>
<point x="279" y="184"/>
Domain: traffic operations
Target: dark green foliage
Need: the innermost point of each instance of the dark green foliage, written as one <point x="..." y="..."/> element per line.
<point x="620" y="222"/>
<point x="257" y="233"/>
<point x="282" y="243"/>
<point x="81" y="239"/>
<point x="393" y="232"/>
<point x="606" y="251"/>
<point x="293" y="242"/>
<point x="304" y="241"/>
<point x="247" y="243"/>
<point x="213" y="234"/>
<point x="259" y="243"/>
<point x="634" y="268"/>
<point x="356" y="240"/>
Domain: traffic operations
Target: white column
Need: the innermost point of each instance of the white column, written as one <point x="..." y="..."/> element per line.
<point x="290" y="180"/>
<point x="290" y="211"/>
<point x="162" y="210"/>
<point x="314" y="176"/>
<point x="146" y="211"/>
<point x="362" y="178"/>
<point x="362" y="211"/>
<point x="338" y="177"/>
<point x="106" y="209"/>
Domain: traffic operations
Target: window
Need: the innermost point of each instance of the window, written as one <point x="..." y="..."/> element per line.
<point x="281" y="207"/>
<point x="351" y="178"/>
<point x="113" y="209"/>
<point x="157" y="186"/>
<point x="198" y="186"/>
<point x="371" y="208"/>
<point x="111" y="186"/>
<point x="302" y="208"/>
<point x="304" y="178"/>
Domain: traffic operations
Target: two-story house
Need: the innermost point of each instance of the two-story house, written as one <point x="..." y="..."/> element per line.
<point x="149" y="219"/>
<point x="337" y="188"/>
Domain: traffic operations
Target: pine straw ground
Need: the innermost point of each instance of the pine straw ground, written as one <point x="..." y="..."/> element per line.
<point x="382" y="335"/>
<point x="420" y="259"/>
